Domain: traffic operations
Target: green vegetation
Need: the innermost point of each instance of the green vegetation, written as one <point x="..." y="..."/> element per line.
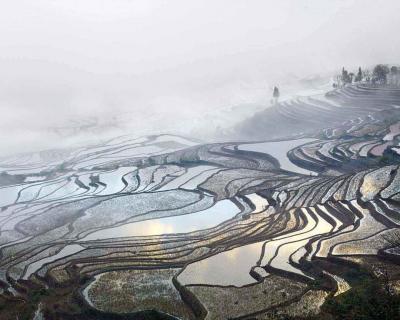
<point x="369" y="299"/>
<point x="388" y="157"/>
<point x="11" y="308"/>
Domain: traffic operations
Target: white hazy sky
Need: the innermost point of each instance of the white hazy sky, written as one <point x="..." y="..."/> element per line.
<point x="166" y="62"/>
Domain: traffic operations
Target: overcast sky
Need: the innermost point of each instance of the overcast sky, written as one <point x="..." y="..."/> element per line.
<point x="171" y="60"/>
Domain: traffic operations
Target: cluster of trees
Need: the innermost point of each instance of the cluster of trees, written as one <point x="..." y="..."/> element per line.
<point x="382" y="74"/>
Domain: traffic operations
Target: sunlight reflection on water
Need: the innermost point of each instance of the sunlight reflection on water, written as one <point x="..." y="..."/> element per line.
<point x="220" y="212"/>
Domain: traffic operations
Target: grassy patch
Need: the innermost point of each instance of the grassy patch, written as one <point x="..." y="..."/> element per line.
<point x="367" y="300"/>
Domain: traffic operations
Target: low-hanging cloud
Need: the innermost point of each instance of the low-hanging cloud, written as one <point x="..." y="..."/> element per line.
<point x="169" y="66"/>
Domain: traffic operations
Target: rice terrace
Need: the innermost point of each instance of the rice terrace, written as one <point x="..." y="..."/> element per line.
<point x="214" y="231"/>
<point x="289" y="209"/>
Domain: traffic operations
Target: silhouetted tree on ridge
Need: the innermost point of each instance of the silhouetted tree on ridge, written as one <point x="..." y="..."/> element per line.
<point x="276" y="94"/>
<point x="359" y="75"/>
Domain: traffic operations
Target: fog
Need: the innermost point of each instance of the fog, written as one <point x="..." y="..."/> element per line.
<point x="77" y="71"/>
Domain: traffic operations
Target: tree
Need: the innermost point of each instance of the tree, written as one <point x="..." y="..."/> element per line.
<point x="380" y="73"/>
<point x="351" y="77"/>
<point x="359" y="75"/>
<point x="366" y="74"/>
<point x="346" y="77"/>
<point x="276" y="94"/>
<point x="394" y="75"/>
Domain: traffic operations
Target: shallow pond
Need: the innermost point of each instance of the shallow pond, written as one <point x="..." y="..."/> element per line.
<point x="211" y="217"/>
<point x="279" y="150"/>
<point x="230" y="267"/>
<point x="185" y="180"/>
<point x="66" y="251"/>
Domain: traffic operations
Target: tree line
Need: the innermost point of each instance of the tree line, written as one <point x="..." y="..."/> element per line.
<point x="382" y="74"/>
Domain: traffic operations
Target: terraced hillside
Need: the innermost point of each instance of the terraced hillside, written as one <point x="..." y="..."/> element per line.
<point x="167" y="227"/>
